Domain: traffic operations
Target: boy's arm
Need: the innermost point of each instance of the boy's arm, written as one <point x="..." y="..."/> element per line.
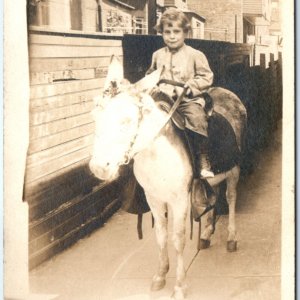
<point x="203" y="78"/>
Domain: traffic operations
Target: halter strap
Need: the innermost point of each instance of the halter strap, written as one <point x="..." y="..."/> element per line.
<point x="128" y="156"/>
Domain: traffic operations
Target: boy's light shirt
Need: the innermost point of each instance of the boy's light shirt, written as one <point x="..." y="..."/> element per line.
<point x="186" y="65"/>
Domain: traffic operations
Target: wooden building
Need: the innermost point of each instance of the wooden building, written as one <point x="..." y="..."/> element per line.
<point x="68" y="58"/>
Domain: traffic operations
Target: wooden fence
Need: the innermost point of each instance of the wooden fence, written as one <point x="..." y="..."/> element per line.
<point x="65" y="200"/>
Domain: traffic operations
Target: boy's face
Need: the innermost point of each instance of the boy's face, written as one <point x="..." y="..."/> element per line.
<point x="173" y="35"/>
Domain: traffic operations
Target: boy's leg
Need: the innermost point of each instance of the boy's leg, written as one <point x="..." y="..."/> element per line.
<point x="196" y="124"/>
<point x="204" y="163"/>
<point x="199" y="147"/>
<point x="198" y="193"/>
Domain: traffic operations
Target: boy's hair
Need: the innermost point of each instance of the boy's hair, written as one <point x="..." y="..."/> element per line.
<point x="173" y="14"/>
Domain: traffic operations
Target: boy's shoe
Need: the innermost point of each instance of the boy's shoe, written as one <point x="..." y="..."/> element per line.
<point x="206" y="174"/>
<point x="205" y="166"/>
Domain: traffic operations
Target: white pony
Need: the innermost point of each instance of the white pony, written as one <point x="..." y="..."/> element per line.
<point x="130" y="126"/>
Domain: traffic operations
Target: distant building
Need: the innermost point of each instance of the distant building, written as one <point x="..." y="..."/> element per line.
<point x="257" y="19"/>
<point x="224" y="18"/>
<point x="238" y="21"/>
<point x="108" y="16"/>
<point x="197" y="21"/>
<point x="276" y="19"/>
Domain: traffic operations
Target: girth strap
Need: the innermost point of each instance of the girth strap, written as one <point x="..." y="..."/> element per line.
<point x="139" y="226"/>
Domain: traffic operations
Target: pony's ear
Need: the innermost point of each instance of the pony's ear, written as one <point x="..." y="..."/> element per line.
<point x="115" y="73"/>
<point x="147" y="83"/>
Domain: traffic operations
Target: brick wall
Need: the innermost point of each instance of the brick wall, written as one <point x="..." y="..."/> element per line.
<point x="220" y="15"/>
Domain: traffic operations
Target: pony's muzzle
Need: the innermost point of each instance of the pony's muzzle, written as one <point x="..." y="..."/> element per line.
<point x="102" y="172"/>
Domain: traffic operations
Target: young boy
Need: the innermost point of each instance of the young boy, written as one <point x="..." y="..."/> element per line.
<point x="185" y="64"/>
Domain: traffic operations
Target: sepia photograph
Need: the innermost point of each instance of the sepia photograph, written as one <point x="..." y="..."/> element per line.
<point x="149" y="150"/>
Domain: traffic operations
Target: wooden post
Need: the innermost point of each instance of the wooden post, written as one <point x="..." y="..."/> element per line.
<point x="100" y="27"/>
<point x="151" y="16"/>
<point x="262" y="59"/>
<point x="279" y="84"/>
<point x="273" y="93"/>
<point x="16" y="136"/>
<point x="16" y="139"/>
<point x="235" y="29"/>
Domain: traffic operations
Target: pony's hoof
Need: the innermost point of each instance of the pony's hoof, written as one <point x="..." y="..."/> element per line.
<point x="179" y="293"/>
<point x="231" y="246"/>
<point x="157" y="284"/>
<point x="203" y="244"/>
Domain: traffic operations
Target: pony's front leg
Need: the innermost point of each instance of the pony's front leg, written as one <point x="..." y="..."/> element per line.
<point x="232" y="181"/>
<point x="179" y="225"/>
<point x="159" y="211"/>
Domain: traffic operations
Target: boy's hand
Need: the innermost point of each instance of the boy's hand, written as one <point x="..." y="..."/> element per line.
<point x="188" y="91"/>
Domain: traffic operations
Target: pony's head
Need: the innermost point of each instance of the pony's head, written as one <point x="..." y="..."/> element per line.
<point x="118" y="118"/>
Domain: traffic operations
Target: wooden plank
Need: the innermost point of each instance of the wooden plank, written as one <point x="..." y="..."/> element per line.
<point x="38" y="185"/>
<point x="37" y="171"/>
<point x="73" y="41"/>
<point x="49" y="77"/>
<point x="60" y="113"/>
<point x="47" y="103"/>
<point x="60" y="195"/>
<point x="69" y="184"/>
<point x="59" y="125"/>
<point x="36" y="50"/>
<point x="38" y="257"/>
<point x="59" y="150"/>
<point x="101" y="194"/>
<point x="62" y="64"/>
<point x="54" y="230"/>
<point x="60" y="138"/>
<point x="65" y="87"/>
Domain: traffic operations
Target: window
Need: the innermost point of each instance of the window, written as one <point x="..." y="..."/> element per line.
<point x="117" y="22"/>
<point x="38" y="12"/>
<point x="89" y="15"/>
<point x="76" y="14"/>
<point x="139" y="25"/>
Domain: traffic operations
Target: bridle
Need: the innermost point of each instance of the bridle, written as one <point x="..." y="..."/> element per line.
<point x="129" y="154"/>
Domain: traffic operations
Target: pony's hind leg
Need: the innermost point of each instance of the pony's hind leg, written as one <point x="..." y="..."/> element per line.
<point x="208" y="220"/>
<point x="231" y="192"/>
<point x="159" y="211"/>
<point x="179" y="225"/>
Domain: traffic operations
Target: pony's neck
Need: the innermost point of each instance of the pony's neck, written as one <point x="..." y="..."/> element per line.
<point x="163" y="167"/>
<point x="152" y="126"/>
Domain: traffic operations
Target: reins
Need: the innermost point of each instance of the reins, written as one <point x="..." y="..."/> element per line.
<point x="178" y="100"/>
